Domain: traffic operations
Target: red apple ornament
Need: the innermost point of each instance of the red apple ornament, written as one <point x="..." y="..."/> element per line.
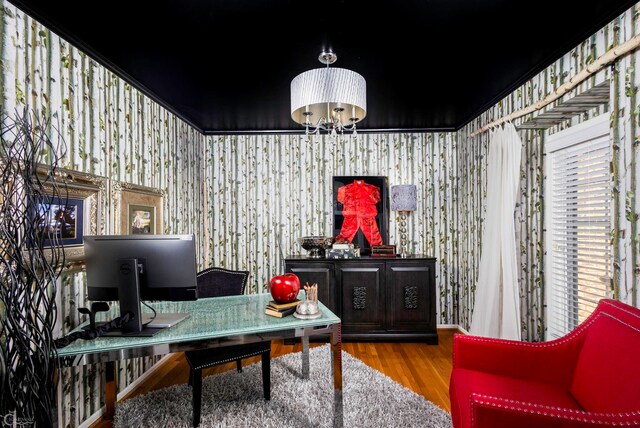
<point x="284" y="288"/>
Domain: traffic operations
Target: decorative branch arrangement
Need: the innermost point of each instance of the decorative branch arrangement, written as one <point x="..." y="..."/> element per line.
<point x="31" y="212"/>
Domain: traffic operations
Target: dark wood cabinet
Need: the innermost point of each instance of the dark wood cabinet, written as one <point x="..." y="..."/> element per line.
<point x="376" y="299"/>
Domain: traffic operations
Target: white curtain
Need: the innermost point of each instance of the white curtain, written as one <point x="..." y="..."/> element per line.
<point x="496" y="312"/>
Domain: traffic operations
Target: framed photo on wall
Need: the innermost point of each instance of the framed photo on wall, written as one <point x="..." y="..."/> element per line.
<point x="142" y="220"/>
<point x="70" y="217"/>
<point x="361" y="211"/>
<point x="61" y="219"/>
<point x="138" y="209"/>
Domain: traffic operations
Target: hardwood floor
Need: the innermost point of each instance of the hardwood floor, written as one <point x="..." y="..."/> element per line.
<point x="420" y="367"/>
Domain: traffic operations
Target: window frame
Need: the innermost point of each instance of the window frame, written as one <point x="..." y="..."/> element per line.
<point x="582" y="133"/>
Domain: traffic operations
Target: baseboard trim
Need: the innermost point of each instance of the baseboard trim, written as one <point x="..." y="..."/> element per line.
<point x="122" y="394"/>
<point x="452" y="327"/>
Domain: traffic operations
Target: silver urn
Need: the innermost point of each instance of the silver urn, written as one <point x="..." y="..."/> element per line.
<point x="316" y="245"/>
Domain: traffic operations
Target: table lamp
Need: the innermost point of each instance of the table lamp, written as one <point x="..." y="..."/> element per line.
<point x="403" y="200"/>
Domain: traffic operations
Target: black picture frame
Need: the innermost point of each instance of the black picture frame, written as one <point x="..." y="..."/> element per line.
<point x="61" y="216"/>
<point x="382" y="208"/>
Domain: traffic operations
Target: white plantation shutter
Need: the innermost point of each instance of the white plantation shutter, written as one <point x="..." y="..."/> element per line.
<point x="578" y="198"/>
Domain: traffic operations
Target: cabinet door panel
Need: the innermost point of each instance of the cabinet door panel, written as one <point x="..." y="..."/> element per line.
<point x="411" y="305"/>
<point x="321" y="274"/>
<point x="362" y="296"/>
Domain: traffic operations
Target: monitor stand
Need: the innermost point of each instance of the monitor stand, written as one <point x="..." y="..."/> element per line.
<point x="163" y="319"/>
<point x="157" y="324"/>
<point x="145" y="332"/>
<point x="129" y="296"/>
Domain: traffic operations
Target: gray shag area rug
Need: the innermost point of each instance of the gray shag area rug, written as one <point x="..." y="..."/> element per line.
<point x="233" y="399"/>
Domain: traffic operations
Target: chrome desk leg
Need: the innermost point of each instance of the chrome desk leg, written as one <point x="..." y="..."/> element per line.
<point x="336" y="368"/>
<point x="111" y="390"/>
<point x="305" y="357"/>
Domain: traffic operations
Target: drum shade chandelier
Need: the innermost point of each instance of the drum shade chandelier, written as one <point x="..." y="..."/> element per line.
<point x="328" y="99"/>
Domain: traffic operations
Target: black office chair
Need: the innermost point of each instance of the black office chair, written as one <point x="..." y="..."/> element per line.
<point x="217" y="282"/>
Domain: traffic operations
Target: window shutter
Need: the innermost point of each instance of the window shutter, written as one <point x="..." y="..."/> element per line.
<point x="579" y="260"/>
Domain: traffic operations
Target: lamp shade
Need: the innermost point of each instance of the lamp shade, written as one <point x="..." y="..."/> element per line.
<point x="403" y="197"/>
<point x="328" y="93"/>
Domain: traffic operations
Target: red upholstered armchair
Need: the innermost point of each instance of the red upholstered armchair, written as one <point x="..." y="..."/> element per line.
<point x="588" y="378"/>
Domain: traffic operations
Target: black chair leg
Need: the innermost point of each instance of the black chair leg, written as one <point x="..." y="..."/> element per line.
<point x="266" y="374"/>
<point x="239" y="366"/>
<point x="190" y="377"/>
<point x="196" y="382"/>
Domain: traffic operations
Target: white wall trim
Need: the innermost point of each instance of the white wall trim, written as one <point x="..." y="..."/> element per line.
<point x="143" y="377"/>
<point x="447" y="326"/>
<point x="579" y="133"/>
<point x="452" y="327"/>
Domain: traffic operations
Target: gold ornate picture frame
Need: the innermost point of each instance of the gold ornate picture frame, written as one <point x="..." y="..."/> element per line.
<point x="137" y="209"/>
<point x="87" y="194"/>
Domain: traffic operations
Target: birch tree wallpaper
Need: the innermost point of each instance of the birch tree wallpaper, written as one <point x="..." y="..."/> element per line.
<point x="110" y="130"/>
<point x="248" y="198"/>
<point x="471" y="154"/>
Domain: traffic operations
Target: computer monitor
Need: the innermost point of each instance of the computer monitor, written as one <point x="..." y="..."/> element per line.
<point x="131" y="268"/>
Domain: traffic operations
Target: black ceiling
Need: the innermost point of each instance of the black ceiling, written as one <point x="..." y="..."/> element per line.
<point x="226" y="66"/>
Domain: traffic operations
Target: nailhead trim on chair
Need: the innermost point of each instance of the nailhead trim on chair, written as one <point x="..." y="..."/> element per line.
<point x="231" y="272"/>
<point x="545" y="344"/>
<point x="548" y="344"/>
<point x="253" y="354"/>
<point x="603" y="419"/>
<point x="549" y="411"/>
<point x="621" y="322"/>
<point x="620" y="308"/>
<point x="517" y="344"/>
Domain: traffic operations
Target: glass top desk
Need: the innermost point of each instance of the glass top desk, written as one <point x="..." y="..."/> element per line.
<point x="214" y="322"/>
